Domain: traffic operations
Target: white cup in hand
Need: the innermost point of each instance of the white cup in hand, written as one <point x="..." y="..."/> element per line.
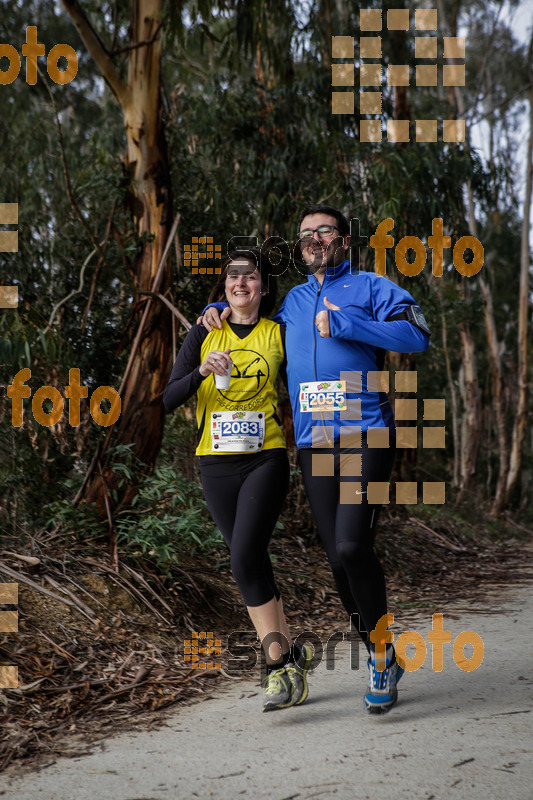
<point x="222" y="381"/>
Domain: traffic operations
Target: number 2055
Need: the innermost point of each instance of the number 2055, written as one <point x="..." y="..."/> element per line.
<point x="325" y="398"/>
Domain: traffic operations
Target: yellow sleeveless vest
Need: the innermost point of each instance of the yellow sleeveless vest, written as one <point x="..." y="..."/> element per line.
<point x="256" y="362"/>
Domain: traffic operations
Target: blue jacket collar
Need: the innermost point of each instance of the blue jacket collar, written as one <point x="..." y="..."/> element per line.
<point x="339" y="271"/>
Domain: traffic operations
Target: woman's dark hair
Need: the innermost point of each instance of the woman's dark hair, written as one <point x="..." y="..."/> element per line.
<point x="265" y="269"/>
<point x="318" y="208"/>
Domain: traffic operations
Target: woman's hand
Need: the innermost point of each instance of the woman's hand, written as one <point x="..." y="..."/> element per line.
<point x="217" y="361"/>
<point x="322" y="318"/>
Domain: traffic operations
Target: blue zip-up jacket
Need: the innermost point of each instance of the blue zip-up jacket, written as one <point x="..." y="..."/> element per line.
<point x="359" y="337"/>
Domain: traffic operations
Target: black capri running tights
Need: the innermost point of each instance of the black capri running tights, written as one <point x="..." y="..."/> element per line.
<point x="245" y="495"/>
<point x="347" y="530"/>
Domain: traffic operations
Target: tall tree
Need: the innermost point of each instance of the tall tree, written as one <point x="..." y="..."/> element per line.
<point x="138" y="94"/>
<point x="142" y="416"/>
<point x="519" y="427"/>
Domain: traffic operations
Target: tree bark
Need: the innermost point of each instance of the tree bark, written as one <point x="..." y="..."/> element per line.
<point x="142" y="414"/>
<point x="453" y="396"/>
<point x="471" y="423"/>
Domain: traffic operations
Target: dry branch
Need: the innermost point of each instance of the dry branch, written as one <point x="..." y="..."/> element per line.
<point x="77" y="601"/>
<point x="445" y="541"/>
<point x="23" y="579"/>
<point x="128" y="587"/>
<point x="97" y="51"/>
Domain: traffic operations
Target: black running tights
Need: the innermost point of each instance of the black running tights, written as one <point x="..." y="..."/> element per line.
<point x="245" y="497"/>
<point x="347" y="530"/>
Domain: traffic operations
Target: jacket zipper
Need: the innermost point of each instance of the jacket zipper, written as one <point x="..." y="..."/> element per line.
<point x="315" y="334"/>
<point x="315" y="330"/>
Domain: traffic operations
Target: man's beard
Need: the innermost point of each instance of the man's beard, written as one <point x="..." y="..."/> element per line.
<point x="334" y="255"/>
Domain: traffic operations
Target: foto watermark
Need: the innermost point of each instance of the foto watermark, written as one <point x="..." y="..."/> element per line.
<point x="74" y="392"/>
<point x="437" y="243"/>
<point x="32" y="50"/>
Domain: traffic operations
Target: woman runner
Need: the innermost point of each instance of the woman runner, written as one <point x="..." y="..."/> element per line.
<point x="243" y="459"/>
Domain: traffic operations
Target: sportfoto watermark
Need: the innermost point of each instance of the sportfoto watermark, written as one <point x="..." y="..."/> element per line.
<point x="73" y="391"/>
<point x="379" y="242"/>
<point x="245" y="654"/>
<point x="31" y="51"/>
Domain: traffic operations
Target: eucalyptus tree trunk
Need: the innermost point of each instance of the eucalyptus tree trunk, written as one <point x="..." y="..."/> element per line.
<point x="494" y="346"/>
<point x="453" y="396"/>
<point x="142" y="414"/>
<point x="520" y="422"/>
<point x="471" y="422"/>
<point x="497" y="400"/>
<point x="497" y="395"/>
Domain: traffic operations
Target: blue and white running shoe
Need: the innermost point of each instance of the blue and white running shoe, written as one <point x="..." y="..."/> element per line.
<point x="382" y="692"/>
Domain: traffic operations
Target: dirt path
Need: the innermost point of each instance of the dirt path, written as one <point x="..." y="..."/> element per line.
<point x="452" y="734"/>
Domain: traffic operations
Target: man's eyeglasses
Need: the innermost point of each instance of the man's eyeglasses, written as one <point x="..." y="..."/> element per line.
<point x="323" y="231"/>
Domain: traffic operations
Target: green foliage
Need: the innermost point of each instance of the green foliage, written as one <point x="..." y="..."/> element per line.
<point x="168" y="516"/>
<point x="82" y="520"/>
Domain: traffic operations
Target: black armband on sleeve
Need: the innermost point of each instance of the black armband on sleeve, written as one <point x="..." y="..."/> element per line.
<point x="414" y="315"/>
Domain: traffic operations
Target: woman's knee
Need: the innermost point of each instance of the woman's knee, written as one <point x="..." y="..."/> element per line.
<point x="255" y="589"/>
<point x="250" y="577"/>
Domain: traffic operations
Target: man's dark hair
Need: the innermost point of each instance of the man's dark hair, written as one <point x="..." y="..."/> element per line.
<point x="268" y="280"/>
<point x="342" y="223"/>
